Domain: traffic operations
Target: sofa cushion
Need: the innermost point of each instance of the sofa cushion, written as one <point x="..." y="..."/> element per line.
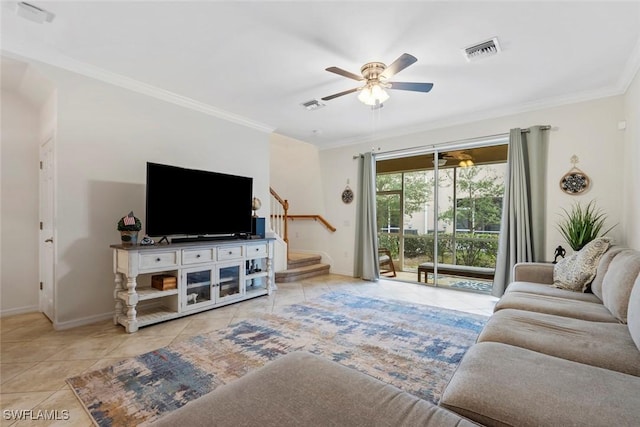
<point x="555" y="305"/>
<point x="577" y="271"/>
<point x="606" y="345"/>
<point x="618" y="282"/>
<point x="603" y="266"/>
<point x="633" y="313"/>
<point x="301" y="389"/>
<point x="550" y="290"/>
<point x="502" y="385"/>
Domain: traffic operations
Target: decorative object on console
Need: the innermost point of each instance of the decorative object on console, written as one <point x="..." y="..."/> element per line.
<point x="255" y="205"/>
<point x="129" y="226"/>
<point x="575" y="181"/>
<point x="192" y="298"/>
<point x="164" y="282"/>
<point x="146" y="240"/>
<point x="582" y="225"/>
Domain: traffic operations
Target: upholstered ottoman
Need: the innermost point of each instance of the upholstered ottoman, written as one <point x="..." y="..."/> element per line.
<point x="301" y="389"/>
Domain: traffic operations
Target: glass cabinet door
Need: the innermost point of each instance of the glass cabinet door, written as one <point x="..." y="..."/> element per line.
<point x="229" y="281"/>
<point x="198" y="288"/>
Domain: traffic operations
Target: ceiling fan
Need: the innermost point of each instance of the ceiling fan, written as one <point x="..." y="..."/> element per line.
<point x="462" y="156"/>
<point x="376" y="76"/>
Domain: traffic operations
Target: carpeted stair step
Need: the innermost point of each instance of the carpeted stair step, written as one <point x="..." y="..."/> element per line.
<point x="297" y="259"/>
<point x="304" y="272"/>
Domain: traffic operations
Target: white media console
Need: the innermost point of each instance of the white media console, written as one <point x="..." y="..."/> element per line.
<point x="207" y="274"/>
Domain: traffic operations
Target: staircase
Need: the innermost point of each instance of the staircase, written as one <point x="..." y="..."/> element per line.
<point x="302" y="266"/>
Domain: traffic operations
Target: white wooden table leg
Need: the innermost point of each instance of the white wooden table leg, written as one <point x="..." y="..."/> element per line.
<point x="132" y="301"/>
<point x="119" y="311"/>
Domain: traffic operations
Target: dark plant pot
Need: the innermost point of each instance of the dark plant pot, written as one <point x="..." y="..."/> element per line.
<point x="129" y="238"/>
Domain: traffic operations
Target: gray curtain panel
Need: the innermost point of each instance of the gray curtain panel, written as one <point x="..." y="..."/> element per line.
<point x="522" y="229"/>
<point x="366" y="250"/>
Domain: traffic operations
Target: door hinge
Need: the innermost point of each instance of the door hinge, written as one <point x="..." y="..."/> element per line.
<point x="41" y="225"/>
<point x="40" y="165"/>
<point x="40" y="285"/>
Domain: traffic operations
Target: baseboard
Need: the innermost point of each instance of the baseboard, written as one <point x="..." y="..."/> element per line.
<point x="19" y="310"/>
<point x="58" y="326"/>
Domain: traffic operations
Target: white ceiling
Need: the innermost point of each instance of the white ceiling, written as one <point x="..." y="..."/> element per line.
<point x="256" y="62"/>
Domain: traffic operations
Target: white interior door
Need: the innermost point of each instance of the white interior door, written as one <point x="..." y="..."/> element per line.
<point x="47" y="229"/>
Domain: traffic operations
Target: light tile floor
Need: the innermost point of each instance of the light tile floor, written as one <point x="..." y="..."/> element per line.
<point x="35" y="359"/>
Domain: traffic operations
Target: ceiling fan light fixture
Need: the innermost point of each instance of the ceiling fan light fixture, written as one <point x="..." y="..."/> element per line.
<point x="466" y="163"/>
<point x="373" y="95"/>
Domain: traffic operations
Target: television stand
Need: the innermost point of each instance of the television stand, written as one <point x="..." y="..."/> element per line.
<point x="158" y="283"/>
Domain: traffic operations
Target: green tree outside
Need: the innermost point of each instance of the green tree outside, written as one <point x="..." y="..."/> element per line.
<point x="479" y="193"/>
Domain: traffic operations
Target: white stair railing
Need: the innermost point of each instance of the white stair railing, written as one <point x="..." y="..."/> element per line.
<point x="278" y="217"/>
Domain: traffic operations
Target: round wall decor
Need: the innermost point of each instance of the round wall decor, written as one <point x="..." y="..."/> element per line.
<point x="575" y="181"/>
<point x="347" y="195"/>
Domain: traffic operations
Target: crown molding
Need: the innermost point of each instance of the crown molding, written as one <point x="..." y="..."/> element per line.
<point x="631" y="69"/>
<point x="56" y="59"/>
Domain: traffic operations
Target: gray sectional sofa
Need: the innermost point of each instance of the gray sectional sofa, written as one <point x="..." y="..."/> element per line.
<point x="554" y="357"/>
<point x="547" y="357"/>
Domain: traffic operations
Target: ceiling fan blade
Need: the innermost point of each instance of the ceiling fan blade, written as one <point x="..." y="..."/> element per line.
<point x="335" y="95"/>
<point x="345" y="73"/>
<point x="398" y="65"/>
<point x="416" y="87"/>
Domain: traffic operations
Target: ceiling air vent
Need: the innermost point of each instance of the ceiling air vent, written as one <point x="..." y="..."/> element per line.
<point x="314" y="104"/>
<point x="481" y="50"/>
<point x="33" y="13"/>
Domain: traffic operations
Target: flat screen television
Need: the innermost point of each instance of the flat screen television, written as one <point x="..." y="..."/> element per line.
<point x="193" y="202"/>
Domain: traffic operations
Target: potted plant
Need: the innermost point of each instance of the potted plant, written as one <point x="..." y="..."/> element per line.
<point x="582" y="224"/>
<point x="129" y="226"/>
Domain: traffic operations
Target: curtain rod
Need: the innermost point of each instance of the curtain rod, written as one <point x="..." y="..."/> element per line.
<point x="545" y="127"/>
<point x="498" y="135"/>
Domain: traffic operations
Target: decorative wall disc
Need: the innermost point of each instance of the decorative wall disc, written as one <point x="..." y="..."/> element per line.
<point x="575" y="181"/>
<point x="347" y="195"/>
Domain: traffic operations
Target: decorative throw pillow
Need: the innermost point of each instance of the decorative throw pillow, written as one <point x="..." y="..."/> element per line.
<point x="576" y="272"/>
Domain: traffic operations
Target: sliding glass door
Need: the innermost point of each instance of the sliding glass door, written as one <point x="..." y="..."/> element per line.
<point x="439" y="215"/>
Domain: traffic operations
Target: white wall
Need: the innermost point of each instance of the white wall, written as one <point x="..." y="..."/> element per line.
<point x="631" y="179"/>
<point x="19" y="216"/>
<point x="105" y="136"/>
<point x="296" y="176"/>
<point x="587" y="129"/>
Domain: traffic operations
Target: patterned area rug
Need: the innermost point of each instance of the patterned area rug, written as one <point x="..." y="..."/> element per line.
<point x="475" y="285"/>
<point x="414" y="347"/>
<point x="446" y="280"/>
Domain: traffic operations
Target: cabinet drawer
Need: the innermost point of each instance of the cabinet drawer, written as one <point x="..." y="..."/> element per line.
<point x="159" y="260"/>
<point x="256" y="250"/>
<point x="229" y="252"/>
<point x="195" y="256"/>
